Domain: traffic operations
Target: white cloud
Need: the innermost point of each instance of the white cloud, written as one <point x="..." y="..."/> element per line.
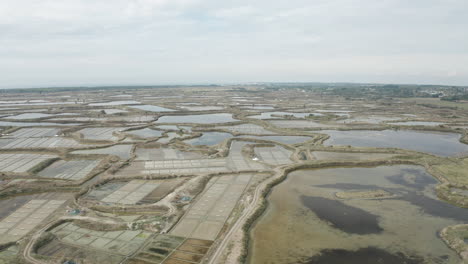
<point x="235" y="12"/>
<point x="73" y="42"/>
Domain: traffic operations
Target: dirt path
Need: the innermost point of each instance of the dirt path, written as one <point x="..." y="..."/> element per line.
<point x="249" y="210"/>
<point x="28" y="249"/>
<point x="27" y="253"/>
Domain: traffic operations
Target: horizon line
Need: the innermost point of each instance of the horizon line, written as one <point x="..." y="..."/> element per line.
<point x="220" y="84"/>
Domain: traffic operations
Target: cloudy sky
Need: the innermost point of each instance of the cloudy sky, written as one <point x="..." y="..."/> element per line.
<point x="121" y="42"/>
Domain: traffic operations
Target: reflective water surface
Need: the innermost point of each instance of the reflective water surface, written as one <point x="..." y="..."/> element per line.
<point x="386" y="214"/>
<point x="209" y="138"/>
<point x="442" y="144"/>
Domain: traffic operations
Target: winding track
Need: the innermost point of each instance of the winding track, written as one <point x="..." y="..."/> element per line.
<point x="239" y="223"/>
<point x="28" y="249"/>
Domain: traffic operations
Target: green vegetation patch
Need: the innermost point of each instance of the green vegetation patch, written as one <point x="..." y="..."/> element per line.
<point x="456" y="172"/>
<point x="456" y="237"/>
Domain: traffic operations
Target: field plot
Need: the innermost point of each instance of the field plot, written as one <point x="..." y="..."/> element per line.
<point x="202" y="108"/>
<point x="198" y="119"/>
<point x="258" y="107"/>
<point x="164" y="165"/>
<point x="9" y="205"/>
<point x="206" y="217"/>
<point x="134" y="192"/>
<point x="101" y="133"/>
<point x="122" y="96"/>
<point x="138" y="118"/>
<point x="31" y="103"/>
<point x="164" y="188"/>
<point x="19" y="163"/>
<point x="129" y="102"/>
<point x="122" y="151"/>
<point x="28" y="124"/>
<point x="131" y="193"/>
<point x="123" y="242"/>
<point x="44" y="142"/>
<point x="237" y="161"/>
<point x="157" y="250"/>
<point x="278" y="115"/>
<point x="283" y="139"/>
<point x="29" y="116"/>
<point x="27" y="217"/>
<point x="416" y="123"/>
<point x="79" y="119"/>
<point x="69" y="170"/>
<point x="276" y="155"/>
<point x="56" y="251"/>
<point x="166" y="154"/>
<point x="297" y="124"/>
<point x="103" y="191"/>
<point x="178" y="167"/>
<point x="171" y="249"/>
<point x="368" y="120"/>
<point x="152" y="108"/>
<point x="112" y="111"/>
<point x="34" y="132"/>
<point x="247" y="129"/>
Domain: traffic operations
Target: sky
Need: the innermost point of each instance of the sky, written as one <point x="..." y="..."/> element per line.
<point x="46" y="43"/>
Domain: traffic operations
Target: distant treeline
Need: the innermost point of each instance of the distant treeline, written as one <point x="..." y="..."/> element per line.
<point x="347" y="90"/>
<point x="460" y="97"/>
<point x="354" y="90"/>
